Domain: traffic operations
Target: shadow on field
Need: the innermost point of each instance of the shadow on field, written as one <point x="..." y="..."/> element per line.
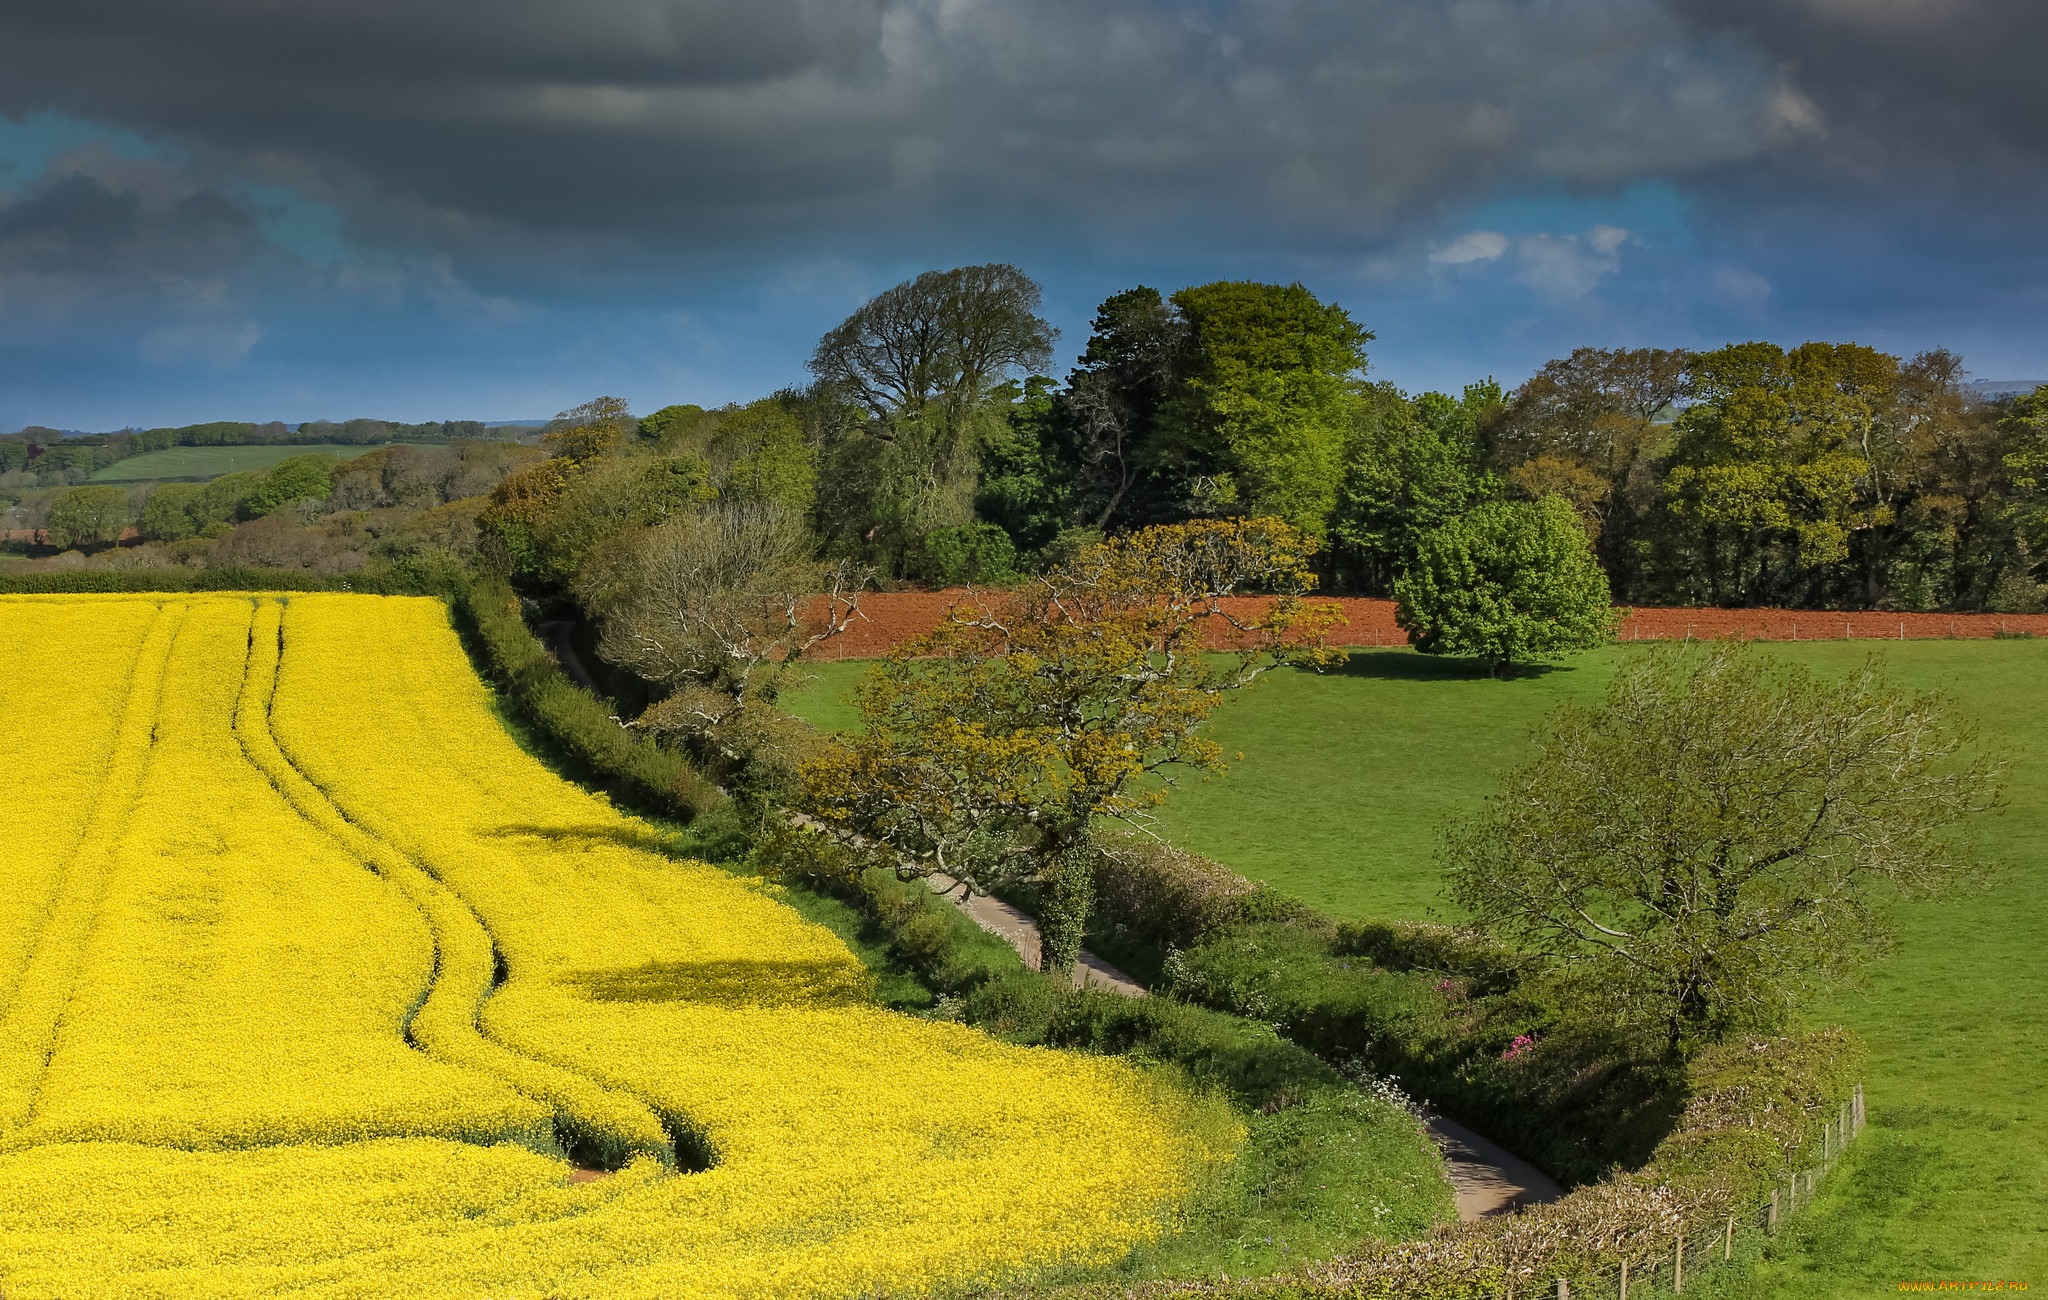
<point x="1408" y="666"/>
<point x="738" y="983"/>
<point x="634" y="836"/>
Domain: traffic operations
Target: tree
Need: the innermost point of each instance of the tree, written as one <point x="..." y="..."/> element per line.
<point x="1718" y="839"/>
<point x="1761" y="492"/>
<point x="989" y="748"/>
<point x="1110" y="413"/>
<point x="167" y="512"/>
<point x="1027" y="485"/>
<point x="516" y="519"/>
<point x="1409" y="466"/>
<point x="82" y="516"/>
<point x="718" y="608"/>
<point x="295" y="479"/>
<point x="1257" y="423"/>
<point x="1584" y="428"/>
<point x="1507" y="581"/>
<point x="757" y="454"/>
<point x="924" y="359"/>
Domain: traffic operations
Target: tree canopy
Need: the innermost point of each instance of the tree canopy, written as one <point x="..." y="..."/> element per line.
<point x="1507" y="582"/>
<point x="988" y="748"/>
<point x="1719" y="838"/>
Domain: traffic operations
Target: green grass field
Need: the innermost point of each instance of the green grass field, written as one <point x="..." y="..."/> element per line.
<point x="195" y="463"/>
<point x="1346" y="776"/>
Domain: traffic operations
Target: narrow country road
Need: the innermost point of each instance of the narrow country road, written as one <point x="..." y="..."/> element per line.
<point x="1486" y="1178"/>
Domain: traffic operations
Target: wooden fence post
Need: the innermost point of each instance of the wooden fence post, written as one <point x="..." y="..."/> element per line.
<point x="1728" y="1246"/>
<point x="1772" y="1225"/>
<point x="1624" y="1278"/>
<point x="1678" y="1264"/>
<point x="1564" y="1290"/>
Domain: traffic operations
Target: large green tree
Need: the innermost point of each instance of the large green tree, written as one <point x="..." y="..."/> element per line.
<point x="1761" y="494"/>
<point x="1266" y="394"/>
<point x="926" y="360"/>
<point x="1410" y="466"/>
<point x="88" y="516"/>
<point x="1109" y="416"/>
<point x="1506" y="582"/>
<point x="1721" y="837"/>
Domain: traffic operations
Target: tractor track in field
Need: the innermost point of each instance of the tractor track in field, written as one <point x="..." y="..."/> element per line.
<point x="423" y="888"/>
<point x="33" y="1017"/>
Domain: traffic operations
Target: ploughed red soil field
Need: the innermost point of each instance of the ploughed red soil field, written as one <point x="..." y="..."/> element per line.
<point x="895" y="616"/>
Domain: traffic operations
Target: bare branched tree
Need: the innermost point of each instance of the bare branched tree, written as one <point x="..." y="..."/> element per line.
<point x="719" y="609"/>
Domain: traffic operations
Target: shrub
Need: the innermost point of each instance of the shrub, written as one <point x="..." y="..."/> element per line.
<point x="1162" y="896"/>
<point x="978" y="553"/>
<point x="1585" y="1100"/>
<point x="1507" y="582"/>
<point x="579" y="727"/>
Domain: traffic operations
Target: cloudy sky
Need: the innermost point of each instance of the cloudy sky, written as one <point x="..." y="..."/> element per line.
<point x="428" y="209"/>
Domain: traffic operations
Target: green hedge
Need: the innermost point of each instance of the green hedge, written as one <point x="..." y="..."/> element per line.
<point x="1441" y="1015"/>
<point x="577" y="727"/>
<point x="138" y="581"/>
<point x="424" y="576"/>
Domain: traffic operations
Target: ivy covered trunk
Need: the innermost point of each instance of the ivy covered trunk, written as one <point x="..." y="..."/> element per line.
<point x="1067" y="888"/>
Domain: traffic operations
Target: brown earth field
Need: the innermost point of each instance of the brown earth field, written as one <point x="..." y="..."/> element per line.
<point x="889" y="618"/>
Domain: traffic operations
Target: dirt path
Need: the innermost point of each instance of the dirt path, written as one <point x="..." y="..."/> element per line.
<point x="1487" y="1179"/>
<point x="555" y="636"/>
<point x="1016" y="928"/>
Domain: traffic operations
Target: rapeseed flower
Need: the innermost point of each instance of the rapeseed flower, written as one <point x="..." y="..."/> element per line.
<point x="327" y="975"/>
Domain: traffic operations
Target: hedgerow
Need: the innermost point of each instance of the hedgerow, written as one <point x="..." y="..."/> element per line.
<point x="578" y="727"/>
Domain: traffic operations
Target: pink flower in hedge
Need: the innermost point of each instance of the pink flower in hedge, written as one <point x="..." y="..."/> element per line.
<point x="1522" y="1046"/>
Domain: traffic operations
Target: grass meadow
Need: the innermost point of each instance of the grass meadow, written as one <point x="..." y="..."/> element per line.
<point x="195" y="463"/>
<point x="1346" y="776"/>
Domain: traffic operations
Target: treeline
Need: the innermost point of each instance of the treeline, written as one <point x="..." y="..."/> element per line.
<point x="40" y="457"/>
<point x="930" y="444"/>
<point x="927" y="445"/>
<point x="400" y="505"/>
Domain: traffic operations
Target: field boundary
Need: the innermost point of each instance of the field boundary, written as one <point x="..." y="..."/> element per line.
<point x="889" y="618"/>
<point x="1741" y="1230"/>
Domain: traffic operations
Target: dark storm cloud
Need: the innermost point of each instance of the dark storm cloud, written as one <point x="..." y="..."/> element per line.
<point x="1909" y="83"/>
<point x="682" y="122"/>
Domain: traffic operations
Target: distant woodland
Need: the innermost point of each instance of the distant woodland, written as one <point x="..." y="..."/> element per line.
<point x="930" y="444"/>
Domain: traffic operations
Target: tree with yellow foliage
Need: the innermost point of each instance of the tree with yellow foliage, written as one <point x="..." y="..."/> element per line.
<point x="990" y="747"/>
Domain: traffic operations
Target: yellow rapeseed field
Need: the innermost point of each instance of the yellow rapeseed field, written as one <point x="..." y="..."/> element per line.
<point x="311" y="978"/>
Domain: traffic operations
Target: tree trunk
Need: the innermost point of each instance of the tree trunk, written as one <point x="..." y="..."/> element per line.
<point x="1067" y="887"/>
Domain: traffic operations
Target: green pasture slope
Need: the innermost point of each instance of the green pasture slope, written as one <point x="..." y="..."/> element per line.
<point x="1346" y="776"/>
<point x="195" y="463"/>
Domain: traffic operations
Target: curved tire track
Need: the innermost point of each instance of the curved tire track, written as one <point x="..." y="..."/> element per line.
<point x="35" y="1014"/>
<point x="599" y="1122"/>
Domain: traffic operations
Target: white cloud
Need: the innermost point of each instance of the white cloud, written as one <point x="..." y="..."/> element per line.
<point x="1569" y="266"/>
<point x="1473" y="246"/>
<point x="1744" y="287"/>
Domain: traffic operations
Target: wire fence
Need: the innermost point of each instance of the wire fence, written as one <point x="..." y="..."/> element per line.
<point x="1701" y="1246"/>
